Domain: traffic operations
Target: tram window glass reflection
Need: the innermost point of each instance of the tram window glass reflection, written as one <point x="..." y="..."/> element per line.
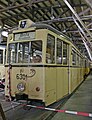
<point x="65" y="54"/>
<point x="36" y="51"/>
<point x="77" y="59"/>
<point x="81" y="62"/>
<point x="50" y="50"/>
<point x="4" y="57"/>
<point x="1" y="56"/>
<point x="59" y="51"/>
<point x="73" y="57"/>
<point x="23" y="52"/>
<point x="12" y="53"/>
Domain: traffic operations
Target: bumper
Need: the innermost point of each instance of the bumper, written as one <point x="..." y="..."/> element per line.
<point x="21" y="97"/>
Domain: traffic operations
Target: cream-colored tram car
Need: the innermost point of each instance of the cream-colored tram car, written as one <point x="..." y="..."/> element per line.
<point x="45" y="65"/>
<point x="2" y="61"/>
<point x="87" y="66"/>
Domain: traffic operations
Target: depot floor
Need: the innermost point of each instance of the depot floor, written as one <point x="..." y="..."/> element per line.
<point x="80" y="101"/>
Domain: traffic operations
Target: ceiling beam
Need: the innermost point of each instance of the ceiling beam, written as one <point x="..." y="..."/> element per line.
<point x="75" y="31"/>
<point x="67" y="19"/>
<point x="77" y="17"/>
<point x="21" y="5"/>
<point x="84" y="11"/>
<point x="82" y="29"/>
<point x="85" y="39"/>
<point x="89" y="2"/>
<point x="31" y="3"/>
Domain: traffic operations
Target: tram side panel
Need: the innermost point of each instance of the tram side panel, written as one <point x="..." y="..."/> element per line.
<point x="50" y="85"/>
<point x="2" y="62"/>
<point x="2" y="71"/>
<point x="6" y="82"/>
<point x="76" y="69"/>
<point x="78" y="75"/>
<point x="62" y="83"/>
<point x="81" y="74"/>
<point x="36" y="83"/>
<point x="56" y="84"/>
<point x="87" y="66"/>
<point x="74" y="78"/>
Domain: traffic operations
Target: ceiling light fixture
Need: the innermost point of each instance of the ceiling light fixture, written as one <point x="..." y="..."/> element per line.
<point x="5" y="33"/>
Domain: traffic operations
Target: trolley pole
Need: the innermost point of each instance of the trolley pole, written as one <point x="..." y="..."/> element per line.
<point x="2" y="112"/>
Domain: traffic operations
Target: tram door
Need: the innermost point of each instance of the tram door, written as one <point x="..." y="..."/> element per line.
<point x="62" y="83"/>
<point x="50" y="70"/>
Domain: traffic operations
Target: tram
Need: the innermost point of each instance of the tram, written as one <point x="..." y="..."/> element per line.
<point x="42" y="64"/>
<point x="2" y="65"/>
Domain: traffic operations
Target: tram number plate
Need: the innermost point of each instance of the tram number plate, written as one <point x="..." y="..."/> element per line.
<point x="21" y="76"/>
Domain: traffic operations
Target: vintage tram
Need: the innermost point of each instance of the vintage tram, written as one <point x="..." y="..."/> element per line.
<point x="42" y="64"/>
<point x="2" y="65"/>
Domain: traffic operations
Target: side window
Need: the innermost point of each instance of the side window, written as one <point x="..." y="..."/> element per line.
<point x="50" y="50"/>
<point x="81" y="61"/>
<point x="1" y="56"/>
<point x="73" y="57"/>
<point x="59" y="51"/>
<point x="77" y="59"/>
<point x="65" y="52"/>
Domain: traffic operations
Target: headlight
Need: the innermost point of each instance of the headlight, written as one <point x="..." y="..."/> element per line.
<point x="21" y="87"/>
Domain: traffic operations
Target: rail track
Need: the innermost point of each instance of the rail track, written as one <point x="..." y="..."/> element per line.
<point x="57" y="105"/>
<point x="44" y="114"/>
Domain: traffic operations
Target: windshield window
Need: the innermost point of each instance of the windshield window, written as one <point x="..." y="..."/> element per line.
<point x="1" y="56"/>
<point x="12" y="53"/>
<point x="25" y="52"/>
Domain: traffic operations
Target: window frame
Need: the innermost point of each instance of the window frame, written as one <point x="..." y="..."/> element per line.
<point x="50" y="51"/>
<point x="57" y="60"/>
<point x="28" y="43"/>
<point x="67" y="53"/>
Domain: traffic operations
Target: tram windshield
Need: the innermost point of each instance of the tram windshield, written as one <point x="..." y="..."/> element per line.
<point x="1" y="56"/>
<point x="25" y="52"/>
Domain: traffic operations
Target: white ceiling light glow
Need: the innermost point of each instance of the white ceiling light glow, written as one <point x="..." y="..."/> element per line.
<point x="5" y="33"/>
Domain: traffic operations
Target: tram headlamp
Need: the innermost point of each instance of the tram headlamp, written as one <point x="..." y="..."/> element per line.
<point x="21" y="87"/>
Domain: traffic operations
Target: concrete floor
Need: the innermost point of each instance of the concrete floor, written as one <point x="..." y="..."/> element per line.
<point x="80" y="101"/>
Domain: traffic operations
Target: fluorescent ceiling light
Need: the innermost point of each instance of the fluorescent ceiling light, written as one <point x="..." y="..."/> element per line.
<point x="5" y="33"/>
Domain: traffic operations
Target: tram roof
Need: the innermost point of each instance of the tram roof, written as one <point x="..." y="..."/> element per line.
<point x="46" y="26"/>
